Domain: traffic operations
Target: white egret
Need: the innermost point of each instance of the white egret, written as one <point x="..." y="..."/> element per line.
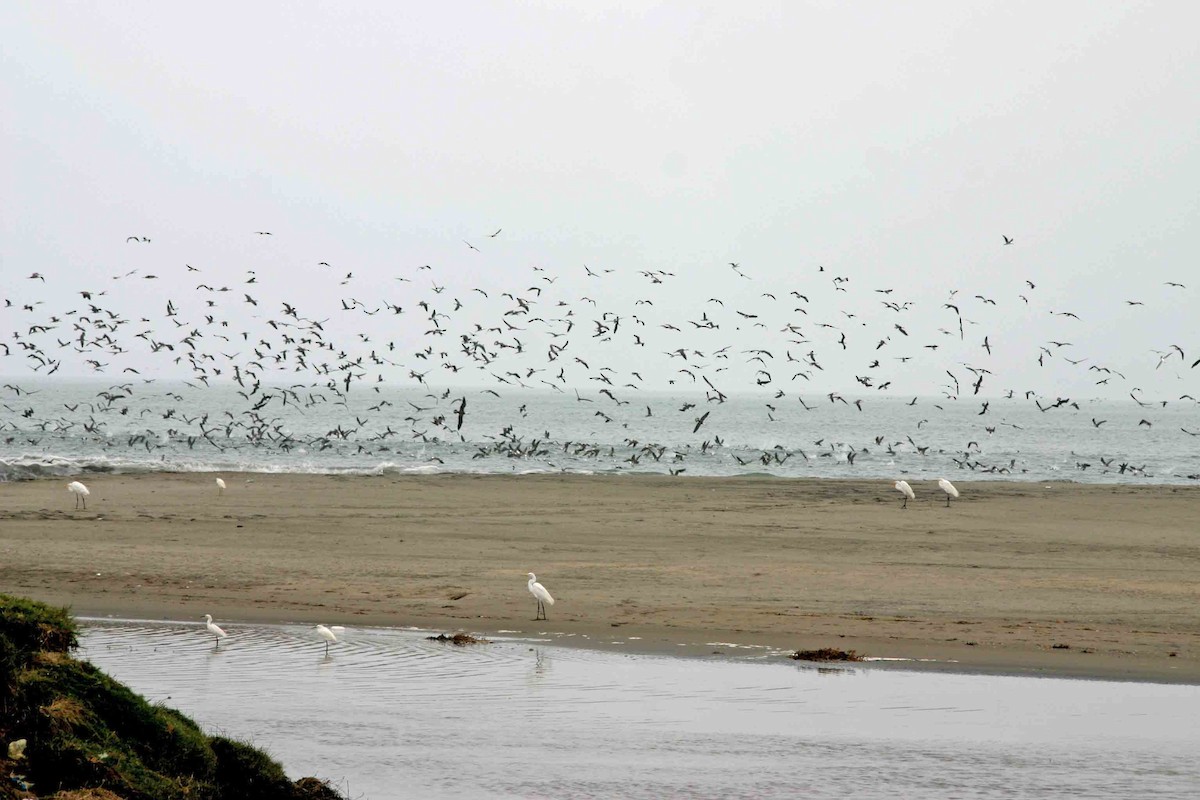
<point x="215" y="630"/>
<point x="81" y="493"/>
<point x="220" y="486"/>
<point x="329" y="635"/>
<point x="949" y="489"/>
<point x="903" y="488"/>
<point x="541" y="595"/>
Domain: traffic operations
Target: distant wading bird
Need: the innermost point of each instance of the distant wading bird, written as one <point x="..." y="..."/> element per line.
<point x="220" y="486"/>
<point x="328" y="635"/>
<point x="949" y="489"/>
<point x="81" y="493"/>
<point x="541" y="595"/>
<point x="903" y="488"/>
<point x="215" y="630"/>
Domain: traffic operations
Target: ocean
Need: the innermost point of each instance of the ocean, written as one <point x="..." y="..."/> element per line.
<point x="76" y="427"/>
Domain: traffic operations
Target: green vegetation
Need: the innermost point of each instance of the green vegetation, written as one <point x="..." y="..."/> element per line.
<point x="90" y="738"/>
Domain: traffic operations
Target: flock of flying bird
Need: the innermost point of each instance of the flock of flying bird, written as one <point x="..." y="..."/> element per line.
<point x="565" y="332"/>
<point x="561" y="333"/>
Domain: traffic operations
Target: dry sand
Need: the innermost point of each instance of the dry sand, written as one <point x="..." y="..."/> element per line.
<point x="1058" y="579"/>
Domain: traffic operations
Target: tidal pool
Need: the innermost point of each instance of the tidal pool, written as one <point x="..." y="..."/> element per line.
<point x="389" y="714"/>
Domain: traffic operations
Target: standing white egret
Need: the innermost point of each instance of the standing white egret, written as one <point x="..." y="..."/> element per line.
<point x="216" y="631"/>
<point x="328" y="635"/>
<point x="903" y="488"/>
<point x="220" y="486"/>
<point x="949" y="489"/>
<point x="541" y="595"/>
<point x="81" y="493"/>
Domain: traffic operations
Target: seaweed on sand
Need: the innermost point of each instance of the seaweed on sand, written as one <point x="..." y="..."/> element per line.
<point x="459" y="639"/>
<point x="826" y="654"/>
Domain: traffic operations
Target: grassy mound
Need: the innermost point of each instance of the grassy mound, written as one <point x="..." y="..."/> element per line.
<point x="90" y="737"/>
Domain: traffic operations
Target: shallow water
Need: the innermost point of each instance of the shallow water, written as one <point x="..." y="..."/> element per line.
<point x="388" y="714"/>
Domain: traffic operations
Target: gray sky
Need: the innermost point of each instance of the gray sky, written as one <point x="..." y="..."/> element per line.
<point x="893" y="144"/>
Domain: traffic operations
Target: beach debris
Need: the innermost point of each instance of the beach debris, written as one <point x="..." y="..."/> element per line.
<point x="16" y="750"/>
<point x="1060" y="647"/>
<point x="20" y="782"/>
<point x="460" y="639"/>
<point x="826" y="654"/>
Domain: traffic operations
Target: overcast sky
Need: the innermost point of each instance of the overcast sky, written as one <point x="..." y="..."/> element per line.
<point x="894" y="144"/>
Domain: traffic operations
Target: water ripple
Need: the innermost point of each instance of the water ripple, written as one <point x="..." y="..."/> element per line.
<point x="517" y="718"/>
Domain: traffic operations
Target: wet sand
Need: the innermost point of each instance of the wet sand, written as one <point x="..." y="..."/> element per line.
<point x="1054" y="579"/>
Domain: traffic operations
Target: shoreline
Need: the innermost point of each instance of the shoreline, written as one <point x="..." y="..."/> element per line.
<point x="389" y="470"/>
<point x="1110" y="571"/>
<point x="1007" y="664"/>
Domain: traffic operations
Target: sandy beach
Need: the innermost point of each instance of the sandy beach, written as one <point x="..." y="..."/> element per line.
<point x="1054" y="579"/>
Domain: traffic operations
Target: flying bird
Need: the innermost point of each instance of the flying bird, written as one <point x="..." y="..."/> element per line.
<point x="460" y="412"/>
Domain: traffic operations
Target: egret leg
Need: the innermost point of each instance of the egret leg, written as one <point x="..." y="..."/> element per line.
<point x="905" y="503"/>
<point x="947" y="501"/>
